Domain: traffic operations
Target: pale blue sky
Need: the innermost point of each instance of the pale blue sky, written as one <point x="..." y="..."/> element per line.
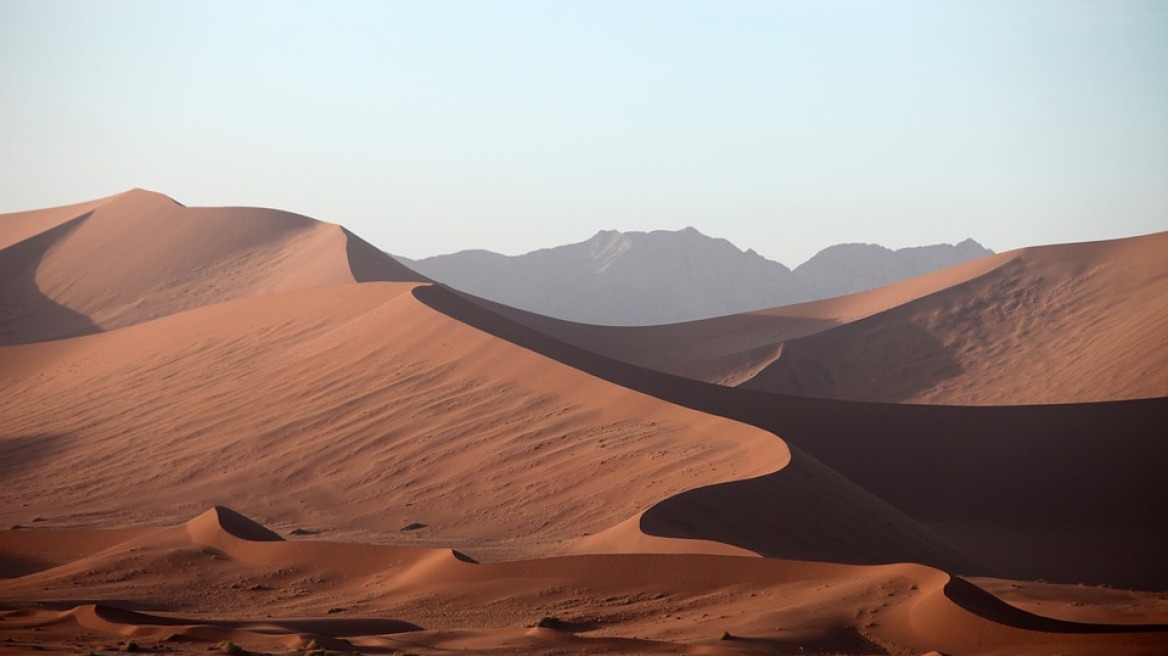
<point x="431" y="127"/>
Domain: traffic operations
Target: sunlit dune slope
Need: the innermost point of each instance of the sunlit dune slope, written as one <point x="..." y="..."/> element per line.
<point x="1054" y="324"/>
<point x="139" y="255"/>
<point x="1066" y="492"/>
<point x="732" y="349"/>
<point x="360" y="410"/>
<point x="220" y="576"/>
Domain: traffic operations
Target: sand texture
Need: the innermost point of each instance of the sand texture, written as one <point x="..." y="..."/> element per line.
<point x="1069" y="323"/>
<point x="237" y="428"/>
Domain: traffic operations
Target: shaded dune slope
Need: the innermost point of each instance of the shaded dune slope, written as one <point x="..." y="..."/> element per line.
<point x="358" y="410"/>
<point x="400" y="596"/>
<point x="1009" y="485"/>
<point x="732" y="349"/>
<point x="402" y="402"/>
<point x="360" y="397"/>
<point x="140" y="255"/>
<point x="1052" y="324"/>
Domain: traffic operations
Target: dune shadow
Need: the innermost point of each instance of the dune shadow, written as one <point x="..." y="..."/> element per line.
<point x="24" y="452"/>
<point x="804" y="511"/>
<point x="369" y="264"/>
<point x="14" y="566"/>
<point x="985" y="605"/>
<point x="27" y="314"/>
<point x="889" y="361"/>
<point x="771" y="514"/>
<point x="1092" y="465"/>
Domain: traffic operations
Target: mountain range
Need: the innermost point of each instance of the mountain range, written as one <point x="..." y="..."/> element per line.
<point x="644" y="278"/>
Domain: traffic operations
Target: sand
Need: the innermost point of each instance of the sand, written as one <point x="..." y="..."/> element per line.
<point x="243" y="425"/>
<point x="219" y="577"/>
<point x="1068" y="323"/>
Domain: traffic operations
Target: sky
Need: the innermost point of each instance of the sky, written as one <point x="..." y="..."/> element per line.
<point x="432" y="127"/>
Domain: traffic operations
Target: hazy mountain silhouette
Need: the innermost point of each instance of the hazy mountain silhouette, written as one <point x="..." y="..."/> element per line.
<point x="640" y="278"/>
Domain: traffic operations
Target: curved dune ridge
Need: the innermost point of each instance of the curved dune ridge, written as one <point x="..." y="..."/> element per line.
<point x="1055" y="324"/>
<point x="1069" y="323"/>
<point x="298" y="595"/>
<point x="358" y="410"/>
<point x="162" y="360"/>
<point x="732" y="349"/>
<point x="140" y="255"/>
<point x="1071" y="493"/>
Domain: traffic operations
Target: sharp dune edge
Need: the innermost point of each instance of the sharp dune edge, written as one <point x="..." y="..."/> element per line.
<point x="1069" y="323"/>
<point x="433" y="472"/>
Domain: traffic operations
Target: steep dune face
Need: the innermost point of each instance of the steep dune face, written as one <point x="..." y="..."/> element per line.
<point x="359" y="410"/>
<point x="1057" y="324"/>
<point x="140" y="255"/>
<point x="1065" y="492"/>
<point x="353" y="409"/>
<point x="293" y="374"/>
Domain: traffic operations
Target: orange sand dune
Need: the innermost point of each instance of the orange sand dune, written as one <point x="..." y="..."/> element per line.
<point x="733" y="349"/>
<point x="188" y="586"/>
<point x="1067" y="492"/>
<point x="161" y="360"/>
<point x="1054" y="324"/>
<point x="140" y="255"/>
<point x="358" y="410"/>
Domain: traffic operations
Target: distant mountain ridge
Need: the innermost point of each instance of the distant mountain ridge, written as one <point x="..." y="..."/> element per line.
<point x="663" y="276"/>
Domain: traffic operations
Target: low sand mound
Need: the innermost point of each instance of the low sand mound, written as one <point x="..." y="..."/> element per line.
<point x="1054" y="324"/>
<point x="220" y="522"/>
<point x="343" y="597"/>
<point x="140" y="255"/>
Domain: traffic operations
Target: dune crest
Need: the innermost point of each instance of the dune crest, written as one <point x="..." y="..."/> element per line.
<point x="99" y="270"/>
<point x="424" y="471"/>
<point x="1070" y="323"/>
<point x="382" y="598"/>
<point x="733" y="349"/>
<point x="219" y="522"/>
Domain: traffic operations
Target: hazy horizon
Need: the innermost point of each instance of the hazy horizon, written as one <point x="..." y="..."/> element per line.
<point x="512" y="126"/>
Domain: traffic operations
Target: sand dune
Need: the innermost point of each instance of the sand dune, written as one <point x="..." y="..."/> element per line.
<point x="1056" y="324"/>
<point x="731" y="350"/>
<point x="160" y="361"/>
<point x="1065" y="492"/>
<point x="140" y="255"/>
<point x="358" y="410"/>
<point x="1069" y="323"/>
<point x="282" y="595"/>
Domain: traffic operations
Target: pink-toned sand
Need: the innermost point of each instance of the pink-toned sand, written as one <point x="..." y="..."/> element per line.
<point x="420" y="471"/>
<point x="1069" y="323"/>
